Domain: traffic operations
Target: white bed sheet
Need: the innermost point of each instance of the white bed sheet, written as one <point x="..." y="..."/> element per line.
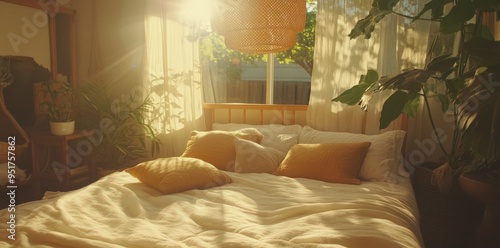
<point x="256" y="210"/>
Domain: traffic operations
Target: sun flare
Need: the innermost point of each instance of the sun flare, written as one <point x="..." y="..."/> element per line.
<point x="197" y="11"/>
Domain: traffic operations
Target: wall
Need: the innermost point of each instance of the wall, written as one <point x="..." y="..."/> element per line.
<point x="116" y="51"/>
<point x="24" y="31"/>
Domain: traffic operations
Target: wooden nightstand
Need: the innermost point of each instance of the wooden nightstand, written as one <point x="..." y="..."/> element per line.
<point x="62" y="163"/>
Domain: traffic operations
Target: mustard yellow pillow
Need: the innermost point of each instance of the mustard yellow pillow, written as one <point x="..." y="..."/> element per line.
<point x="217" y="147"/>
<point x="334" y="163"/>
<point x="177" y="174"/>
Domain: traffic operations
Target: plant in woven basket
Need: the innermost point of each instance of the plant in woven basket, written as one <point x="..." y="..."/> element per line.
<point x="466" y="84"/>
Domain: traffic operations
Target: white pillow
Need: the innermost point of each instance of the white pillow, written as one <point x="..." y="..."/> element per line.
<point x="254" y="158"/>
<point x="383" y="158"/>
<point x="280" y="137"/>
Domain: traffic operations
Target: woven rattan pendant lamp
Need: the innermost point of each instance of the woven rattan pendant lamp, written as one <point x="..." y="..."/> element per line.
<point x="259" y="26"/>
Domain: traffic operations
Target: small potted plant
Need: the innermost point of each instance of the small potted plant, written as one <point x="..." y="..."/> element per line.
<point x="57" y="103"/>
<point x="122" y="121"/>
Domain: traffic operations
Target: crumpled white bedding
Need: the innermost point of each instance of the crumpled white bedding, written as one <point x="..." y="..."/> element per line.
<point x="256" y="210"/>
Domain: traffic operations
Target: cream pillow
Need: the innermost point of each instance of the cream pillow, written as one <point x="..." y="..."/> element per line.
<point x="383" y="158"/>
<point x="217" y="147"/>
<point x="177" y="174"/>
<point x="280" y="137"/>
<point x="254" y="158"/>
<point x="333" y="163"/>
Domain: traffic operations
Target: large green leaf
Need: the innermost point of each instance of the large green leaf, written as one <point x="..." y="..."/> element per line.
<point x="411" y="106"/>
<point x="442" y="64"/>
<point x="437" y="7"/>
<point x="353" y="95"/>
<point x="370" y="77"/>
<point x="459" y="14"/>
<point x="445" y="102"/>
<point x="365" y="26"/>
<point x="393" y="107"/>
<point x="412" y="80"/>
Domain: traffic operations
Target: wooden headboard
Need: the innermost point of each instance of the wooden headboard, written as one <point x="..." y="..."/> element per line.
<point x="267" y="114"/>
<point x="254" y="113"/>
<point x="258" y="114"/>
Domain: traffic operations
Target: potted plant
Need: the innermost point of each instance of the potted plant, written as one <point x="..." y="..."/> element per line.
<point x="466" y="84"/>
<point x="121" y="122"/>
<point x="462" y="75"/>
<point x="58" y="104"/>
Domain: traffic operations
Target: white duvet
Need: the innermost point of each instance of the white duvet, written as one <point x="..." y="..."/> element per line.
<point x="256" y="210"/>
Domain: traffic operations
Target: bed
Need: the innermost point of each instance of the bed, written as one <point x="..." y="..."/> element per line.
<point x="255" y="201"/>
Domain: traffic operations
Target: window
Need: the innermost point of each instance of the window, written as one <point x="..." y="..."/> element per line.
<point x="283" y="78"/>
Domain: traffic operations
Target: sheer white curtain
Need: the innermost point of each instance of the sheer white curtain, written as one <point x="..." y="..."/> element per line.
<point x="172" y="78"/>
<point x="396" y="44"/>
